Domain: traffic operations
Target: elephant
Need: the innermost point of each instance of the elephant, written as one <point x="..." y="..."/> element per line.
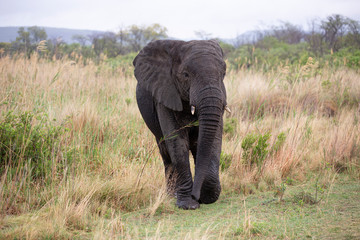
<point x="181" y="96"/>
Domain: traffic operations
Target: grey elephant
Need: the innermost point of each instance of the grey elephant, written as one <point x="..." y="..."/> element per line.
<point x="178" y="84"/>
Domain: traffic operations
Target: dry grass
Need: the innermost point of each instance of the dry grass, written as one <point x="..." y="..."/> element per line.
<point x="318" y="114"/>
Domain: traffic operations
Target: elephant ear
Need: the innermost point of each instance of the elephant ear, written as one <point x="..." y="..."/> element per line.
<point x="153" y="72"/>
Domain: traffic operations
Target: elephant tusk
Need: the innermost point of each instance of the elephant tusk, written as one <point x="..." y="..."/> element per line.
<point x="192" y="110"/>
<point x="227" y="109"/>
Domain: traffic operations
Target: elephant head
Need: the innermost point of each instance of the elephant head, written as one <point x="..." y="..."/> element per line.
<point x="186" y="78"/>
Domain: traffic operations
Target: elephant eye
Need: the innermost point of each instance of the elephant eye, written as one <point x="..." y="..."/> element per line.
<point x="186" y="75"/>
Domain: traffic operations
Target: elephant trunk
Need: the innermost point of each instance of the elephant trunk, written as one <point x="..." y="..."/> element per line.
<point x="206" y="188"/>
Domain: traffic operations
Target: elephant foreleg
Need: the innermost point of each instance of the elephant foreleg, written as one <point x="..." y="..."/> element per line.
<point x="210" y="189"/>
<point x="181" y="173"/>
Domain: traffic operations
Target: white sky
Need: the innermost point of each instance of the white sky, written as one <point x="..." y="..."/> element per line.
<point x="221" y="18"/>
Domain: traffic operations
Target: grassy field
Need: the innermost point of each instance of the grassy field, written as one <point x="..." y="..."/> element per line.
<point x="79" y="163"/>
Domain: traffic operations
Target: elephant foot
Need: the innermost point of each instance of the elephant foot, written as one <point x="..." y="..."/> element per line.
<point x="210" y="192"/>
<point x="187" y="203"/>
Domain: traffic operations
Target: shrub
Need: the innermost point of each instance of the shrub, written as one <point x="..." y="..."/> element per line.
<point x="29" y="140"/>
<point x="255" y="148"/>
<point x="225" y="161"/>
<point x="279" y="142"/>
<point x="122" y="63"/>
<point x="230" y="126"/>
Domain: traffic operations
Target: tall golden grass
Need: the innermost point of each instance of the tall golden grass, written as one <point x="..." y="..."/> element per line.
<point x="118" y="168"/>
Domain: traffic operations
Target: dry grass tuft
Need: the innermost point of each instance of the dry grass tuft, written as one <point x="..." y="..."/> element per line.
<point x="342" y="148"/>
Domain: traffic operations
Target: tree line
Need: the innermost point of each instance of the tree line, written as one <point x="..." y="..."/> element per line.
<point x="335" y="37"/>
<point x="334" y="40"/>
<point x="109" y="44"/>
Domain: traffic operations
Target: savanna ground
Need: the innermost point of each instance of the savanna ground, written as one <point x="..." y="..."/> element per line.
<point x="79" y="163"/>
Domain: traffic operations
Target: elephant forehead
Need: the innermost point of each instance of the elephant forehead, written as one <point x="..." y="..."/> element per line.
<point x="206" y="64"/>
<point x="202" y="44"/>
<point x="201" y="47"/>
<point x="204" y="56"/>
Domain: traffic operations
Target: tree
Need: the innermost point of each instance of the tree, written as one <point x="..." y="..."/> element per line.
<point x="37" y="34"/>
<point x="123" y="37"/>
<point x="334" y="29"/>
<point x="111" y="46"/>
<point x="315" y="38"/>
<point x="97" y="44"/>
<point x="352" y="39"/>
<point x="55" y="47"/>
<point x="22" y="42"/>
<point x="155" y="32"/>
<point x="4" y="48"/>
<point x="138" y="37"/>
<point x="27" y="40"/>
<point x="80" y="39"/>
<point x="288" y="33"/>
<point x="203" y="35"/>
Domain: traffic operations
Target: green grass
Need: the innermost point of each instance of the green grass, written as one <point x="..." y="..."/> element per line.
<point x="259" y="216"/>
<point x="236" y="216"/>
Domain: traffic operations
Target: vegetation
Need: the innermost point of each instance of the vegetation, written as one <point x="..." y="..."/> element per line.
<point x="32" y="143"/>
<point x="77" y="161"/>
<point x="255" y="149"/>
<point x="333" y="41"/>
<point x="95" y="47"/>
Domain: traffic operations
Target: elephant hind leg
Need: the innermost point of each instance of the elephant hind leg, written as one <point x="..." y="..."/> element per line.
<point x="169" y="169"/>
<point x="148" y="111"/>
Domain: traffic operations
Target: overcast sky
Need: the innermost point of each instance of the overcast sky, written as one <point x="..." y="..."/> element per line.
<point x="221" y="18"/>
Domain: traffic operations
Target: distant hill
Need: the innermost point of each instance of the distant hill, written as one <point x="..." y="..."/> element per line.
<point x="8" y="34"/>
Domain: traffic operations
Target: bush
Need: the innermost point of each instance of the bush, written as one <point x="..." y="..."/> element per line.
<point x="225" y="161"/>
<point x="255" y="148"/>
<point x="230" y="125"/>
<point x="30" y="142"/>
<point x="122" y="63"/>
<point x="279" y="142"/>
<point x="347" y="56"/>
